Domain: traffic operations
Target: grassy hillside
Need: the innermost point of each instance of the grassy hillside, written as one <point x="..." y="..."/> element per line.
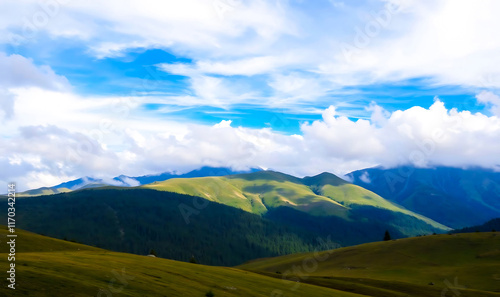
<point x="352" y="195"/>
<point x="321" y="195"/>
<point x="254" y="192"/>
<point x="43" y="191"/>
<point x="51" y="267"/>
<point x="405" y="267"/>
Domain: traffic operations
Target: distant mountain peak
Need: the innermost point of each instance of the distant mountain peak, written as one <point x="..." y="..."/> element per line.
<point x="325" y="178"/>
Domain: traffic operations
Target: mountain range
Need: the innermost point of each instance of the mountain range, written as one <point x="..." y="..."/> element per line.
<point x="223" y="220"/>
<point x="128" y="181"/>
<point x="455" y="197"/>
<point x="321" y="195"/>
<point x="225" y="217"/>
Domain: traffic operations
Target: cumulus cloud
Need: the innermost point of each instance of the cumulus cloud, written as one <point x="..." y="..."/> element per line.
<point x="223" y="124"/>
<point x="17" y="72"/>
<point x="417" y="136"/>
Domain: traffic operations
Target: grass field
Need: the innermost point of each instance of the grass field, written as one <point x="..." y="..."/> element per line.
<point x="422" y="266"/>
<point x="51" y="267"/>
<point x="42" y="191"/>
<point x="457" y="265"/>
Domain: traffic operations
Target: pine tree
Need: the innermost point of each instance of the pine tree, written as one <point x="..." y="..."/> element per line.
<point x="387" y="235"/>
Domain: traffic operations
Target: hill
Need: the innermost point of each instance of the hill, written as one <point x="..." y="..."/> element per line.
<point x="324" y="195"/>
<point x="51" y="267"/>
<point x="43" y="191"/>
<point x="459" y="197"/>
<point x="438" y="265"/>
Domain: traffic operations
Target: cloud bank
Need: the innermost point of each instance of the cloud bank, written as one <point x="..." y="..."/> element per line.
<point x="45" y="154"/>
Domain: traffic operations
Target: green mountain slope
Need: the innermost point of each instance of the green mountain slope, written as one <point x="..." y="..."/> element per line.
<point x="42" y="191"/>
<point x="352" y="195"/>
<point x="420" y="266"/>
<point x="51" y="267"/>
<point x="254" y="192"/>
<point x="176" y="226"/>
<point x="321" y="195"/>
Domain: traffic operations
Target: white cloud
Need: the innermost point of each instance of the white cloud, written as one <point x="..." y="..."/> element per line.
<point x="418" y="136"/>
<point x="111" y="27"/>
<point x="19" y="72"/>
<point x="365" y="177"/>
<point x="248" y="66"/>
<point x="295" y="88"/>
<point x="6" y="104"/>
<point x="130" y="181"/>
<point x="490" y="99"/>
<point x="223" y="124"/>
<point x="54" y="135"/>
<point x="452" y="42"/>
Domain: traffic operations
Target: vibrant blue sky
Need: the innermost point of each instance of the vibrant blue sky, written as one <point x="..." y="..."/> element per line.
<point x="246" y="83"/>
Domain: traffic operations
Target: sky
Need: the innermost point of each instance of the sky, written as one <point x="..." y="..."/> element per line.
<point x="104" y="88"/>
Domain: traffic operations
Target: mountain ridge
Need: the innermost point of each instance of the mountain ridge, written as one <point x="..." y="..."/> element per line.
<point x="324" y="194"/>
<point x="459" y="197"/>
<point x="128" y="181"/>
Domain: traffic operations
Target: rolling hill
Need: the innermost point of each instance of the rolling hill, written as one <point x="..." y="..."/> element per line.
<point x="465" y="265"/>
<point x="324" y="195"/>
<point x="437" y="265"/>
<point x="454" y="197"/>
<point x="52" y="267"/>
